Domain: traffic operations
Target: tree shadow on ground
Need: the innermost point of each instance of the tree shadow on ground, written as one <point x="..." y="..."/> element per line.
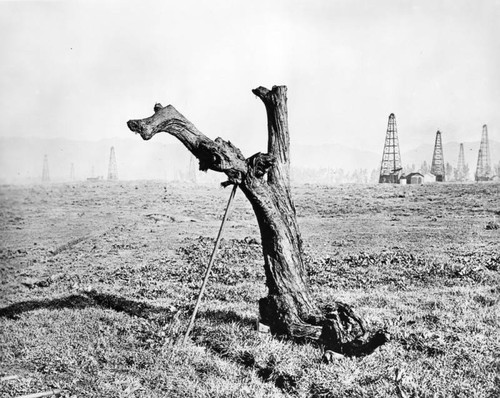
<point x="84" y="300"/>
<point x="216" y="342"/>
<point x="119" y="304"/>
<point x="228" y="316"/>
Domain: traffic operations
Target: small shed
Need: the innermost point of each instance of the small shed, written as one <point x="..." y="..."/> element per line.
<point x="415" y="178"/>
<point x="429" y="178"/>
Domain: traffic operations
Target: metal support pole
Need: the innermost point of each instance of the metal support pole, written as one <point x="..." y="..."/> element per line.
<point x="210" y="263"/>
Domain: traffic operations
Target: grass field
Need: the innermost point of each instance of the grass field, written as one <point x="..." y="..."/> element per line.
<point x="98" y="281"/>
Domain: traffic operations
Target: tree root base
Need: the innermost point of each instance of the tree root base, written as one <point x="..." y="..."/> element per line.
<point x="336" y="329"/>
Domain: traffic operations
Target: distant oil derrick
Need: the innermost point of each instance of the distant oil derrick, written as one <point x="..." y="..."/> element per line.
<point x="437" y="167"/>
<point x="113" y="168"/>
<point x="45" y="171"/>
<point x="461" y="173"/>
<point x="72" y="172"/>
<point x="391" y="168"/>
<point x="483" y="169"/>
<point x="192" y="169"/>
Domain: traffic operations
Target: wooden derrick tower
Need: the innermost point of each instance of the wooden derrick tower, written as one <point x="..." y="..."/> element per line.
<point x="483" y="169"/>
<point x="45" y="171"/>
<point x="192" y="169"/>
<point x="113" y="168"/>
<point x="437" y="167"/>
<point x="391" y="168"/>
<point x="461" y="174"/>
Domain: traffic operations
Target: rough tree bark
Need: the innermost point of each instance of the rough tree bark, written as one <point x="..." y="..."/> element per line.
<point x="264" y="178"/>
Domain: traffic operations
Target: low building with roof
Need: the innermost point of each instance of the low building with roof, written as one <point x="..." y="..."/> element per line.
<point x="415" y="178"/>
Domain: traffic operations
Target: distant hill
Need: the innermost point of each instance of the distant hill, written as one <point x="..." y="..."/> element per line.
<point x="333" y="156"/>
<point x="21" y="159"/>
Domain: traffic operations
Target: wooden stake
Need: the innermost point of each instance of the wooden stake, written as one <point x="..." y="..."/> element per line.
<point x="210" y="263"/>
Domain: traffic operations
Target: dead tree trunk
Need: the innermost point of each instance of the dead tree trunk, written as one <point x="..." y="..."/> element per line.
<point x="264" y="178"/>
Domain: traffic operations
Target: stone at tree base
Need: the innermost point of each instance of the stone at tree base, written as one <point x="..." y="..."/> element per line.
<point x="331" y="356"/>
<point x="262" y="328"/>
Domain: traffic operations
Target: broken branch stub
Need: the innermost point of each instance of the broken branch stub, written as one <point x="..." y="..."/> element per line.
<point x="289" y="308"/>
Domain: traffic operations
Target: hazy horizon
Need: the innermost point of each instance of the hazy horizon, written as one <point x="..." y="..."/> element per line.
<point x="167" y="159"/>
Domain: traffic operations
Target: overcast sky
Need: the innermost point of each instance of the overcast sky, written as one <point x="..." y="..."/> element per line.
<point x="80" y="70"/>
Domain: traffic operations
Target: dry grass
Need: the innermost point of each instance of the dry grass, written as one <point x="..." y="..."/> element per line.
<point x="98" y="281"/>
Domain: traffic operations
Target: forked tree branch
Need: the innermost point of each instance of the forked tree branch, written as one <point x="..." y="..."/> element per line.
<point x="289" y="308"/>
<point x="217" y="155"/>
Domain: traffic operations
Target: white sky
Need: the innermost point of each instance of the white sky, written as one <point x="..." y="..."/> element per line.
<point x="80" y="70"/>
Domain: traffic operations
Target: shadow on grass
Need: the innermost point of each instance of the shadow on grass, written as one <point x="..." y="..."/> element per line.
<point x="216" y="341"/>
<point x="119" y="304"/>
<point x="84" y="300"/>
<point x="228" y="316"/>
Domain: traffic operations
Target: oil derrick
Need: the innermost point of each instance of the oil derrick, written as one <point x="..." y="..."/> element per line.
<point x="437" y="167"/>
<point x="192" y="170"/>
<point x="112" y="169"/>
<point x="391" y="168"/>
<point x="461" y="172"/>
<point x="45" y="171"/>
<point x="483" y="170"/>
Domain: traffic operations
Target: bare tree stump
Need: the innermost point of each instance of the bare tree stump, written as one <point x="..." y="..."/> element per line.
<point x="289" y="309"/>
